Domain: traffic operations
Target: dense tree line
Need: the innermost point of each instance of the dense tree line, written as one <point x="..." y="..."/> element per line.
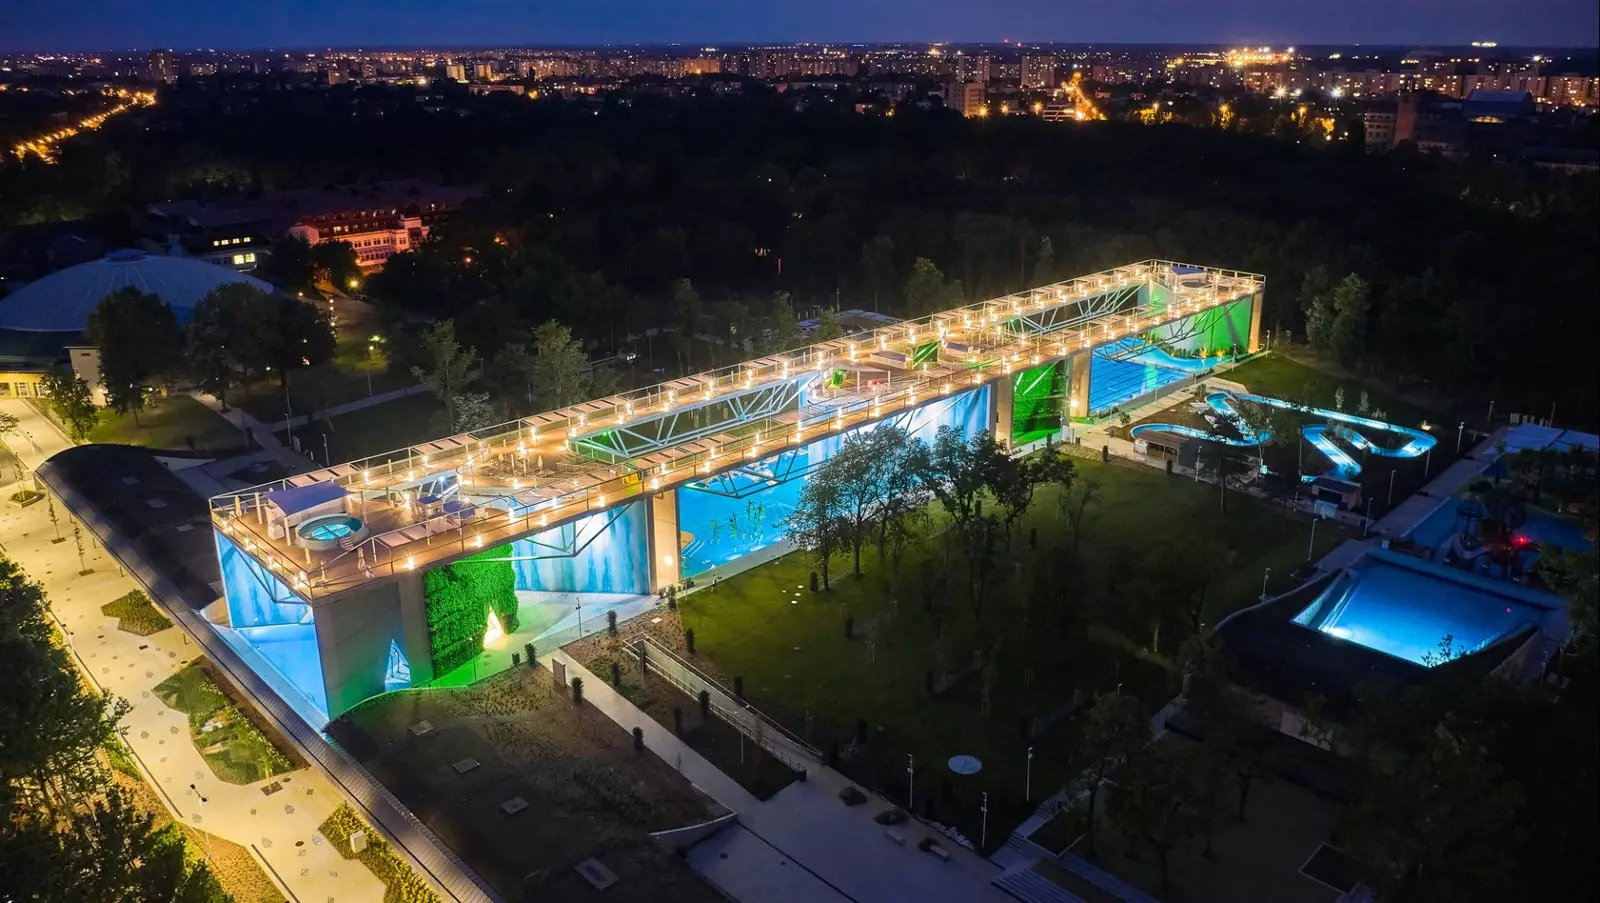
<point x="66" y="832"/>
<point x="598" y="212"/>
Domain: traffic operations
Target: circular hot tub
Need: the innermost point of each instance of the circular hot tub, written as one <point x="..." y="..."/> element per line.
<point x="331" y="531"/>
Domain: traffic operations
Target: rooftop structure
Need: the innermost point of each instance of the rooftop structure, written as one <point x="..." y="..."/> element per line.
<point x="622" y="496"/>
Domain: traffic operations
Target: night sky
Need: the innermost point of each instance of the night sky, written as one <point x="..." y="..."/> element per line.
<point x="232" y="24"/>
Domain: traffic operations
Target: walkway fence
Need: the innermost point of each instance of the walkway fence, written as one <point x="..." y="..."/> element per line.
<point x="766" y="733"/>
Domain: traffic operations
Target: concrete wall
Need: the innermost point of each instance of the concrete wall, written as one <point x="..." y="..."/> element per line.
<point x="353" y="637"/>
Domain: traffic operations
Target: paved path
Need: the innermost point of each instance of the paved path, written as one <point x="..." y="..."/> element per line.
<point x="239" y="417"/>
<point x="806" y="824"/>
<point x="281" y="828"/>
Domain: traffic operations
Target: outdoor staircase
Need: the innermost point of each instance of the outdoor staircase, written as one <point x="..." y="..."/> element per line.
<point x="1031" y="887"/>
<point x="1104" y="880"/>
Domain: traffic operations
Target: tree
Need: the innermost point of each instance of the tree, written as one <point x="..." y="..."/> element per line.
<point x="268" y="332"/>
<point x="817" y="522"/>
<point x="139" y="343"/>
<point x="1348" y="335"/>
<point x="1159" y="799"/>
<point x="557" y="362"/>
<point x="1240" y="741"/>
<point x="828" y="327"/>
<point x="902" y="507"/>
<point x="1044" y="267"/>
<point x="213" y="335"/>
<point x="864" y="472"/>
<point x="289" y="264"/>
<point x="72" y="401"/>
<point x="474" y="411"/>
<point x="1114" y="730"/>
<point x="335" y="263"/>
<point x="927" y="291"/>
<point x="1075" y="502"/>
<point x="781" y="330"/>
<point x="514" y="370"/>
<point x="1439" y="824"/>
<point x="877" y="268"/>
<point x="1316" y="300"/>
<point x="687" y="309"/>
<point x="447" y="367"/>
<point x="959" y="471"/>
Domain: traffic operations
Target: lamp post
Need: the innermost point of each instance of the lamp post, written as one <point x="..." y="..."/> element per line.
<point x="203" y="802"/>
<point x="911" y="782"/>
<point x="580" y="620"/>
<point x="1490" y="418"/>
<point x="1390" y="505"/>
<point x="1368" y="522"/>
<point x="1268" y="572"/>
<point x="1312" y="544"/>
<point x="983" y="836"/>
<point x="1427" y="463"/>
<point x="1460" y="428"/>
<point x="1027" y="780"/>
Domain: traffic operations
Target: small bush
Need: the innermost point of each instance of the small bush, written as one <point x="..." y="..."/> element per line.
<point x="24" y="495"/>
<point x="852" y="796"/>
<point x="577" y="691"/>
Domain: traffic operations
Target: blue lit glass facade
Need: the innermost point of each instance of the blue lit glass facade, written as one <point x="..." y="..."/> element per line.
<point x="269" y="621"/>
<point x="606" y="552"/>
<point x="734" y="514"/>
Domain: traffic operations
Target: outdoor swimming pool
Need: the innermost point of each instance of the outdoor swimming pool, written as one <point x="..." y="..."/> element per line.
<point x="1404" y="607"/>
<point x="324" y="533"/>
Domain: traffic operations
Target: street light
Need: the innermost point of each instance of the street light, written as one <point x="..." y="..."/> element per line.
<point x="983" y="837"/>
<point x="911" y="782"/>
<point x="1460" y="428"/>
<point x="1027" y="781"/>
<point x="203" y="801"/>
<point x="1268" y="572"/>
<point x="1311" y="546"/>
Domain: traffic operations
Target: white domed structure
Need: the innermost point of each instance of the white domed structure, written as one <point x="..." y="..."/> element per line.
<point x="62" y="301"/>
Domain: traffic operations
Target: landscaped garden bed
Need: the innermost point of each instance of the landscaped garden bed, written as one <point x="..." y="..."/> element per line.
<point x="238" y="750"/>
<point x="136" y="614"/>
<point x="401" y="884"/>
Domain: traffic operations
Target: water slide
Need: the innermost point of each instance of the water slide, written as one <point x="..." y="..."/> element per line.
<point x="1320" y="435"/>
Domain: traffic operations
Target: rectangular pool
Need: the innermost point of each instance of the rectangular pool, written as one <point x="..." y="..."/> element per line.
<point x="1405" y="607"/>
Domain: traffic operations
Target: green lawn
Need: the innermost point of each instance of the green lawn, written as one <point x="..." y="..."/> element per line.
<point x="235" y="748"/>
<point x="172" y="423"/>
<point x="354" y="374"/>
<point x="136" y="614"/>
<point x="794" y="657"/>
<point x="1280" y="377"/>
<point x="370" y="431"/>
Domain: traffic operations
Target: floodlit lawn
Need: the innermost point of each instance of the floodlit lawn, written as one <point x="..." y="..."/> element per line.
<point x="235" y="748"/>
<point x="589" y="793"/>
<point x="370" y="431"/>
<point x="790" y="646"/>
<point x="169" y="423"/>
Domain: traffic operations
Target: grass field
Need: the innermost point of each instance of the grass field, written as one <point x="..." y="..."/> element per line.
<point x="1281" y="377"/>
<point x="790" y="646"/>
<point x="235" y="748"/>
<point x="172" y="422"/>
<point x="589" y="793"/>
<point x="370" y="431"/>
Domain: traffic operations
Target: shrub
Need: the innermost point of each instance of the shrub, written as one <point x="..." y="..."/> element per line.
<point x="577" y="691"/>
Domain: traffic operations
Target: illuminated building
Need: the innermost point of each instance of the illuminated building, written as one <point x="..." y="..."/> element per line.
<point x="1039" y="71"/>
<point x="966" y="98"/>
<point x="387" y="572"/>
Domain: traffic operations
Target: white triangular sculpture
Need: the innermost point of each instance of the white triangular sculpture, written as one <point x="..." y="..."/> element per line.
<point x="494" y="633"/>
<point x="397" y="675"/>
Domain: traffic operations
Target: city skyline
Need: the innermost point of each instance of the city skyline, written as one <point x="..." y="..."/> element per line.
<point x="100" y="25"/>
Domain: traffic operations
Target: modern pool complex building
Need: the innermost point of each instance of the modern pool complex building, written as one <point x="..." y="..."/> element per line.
<point x="399" y="570"/>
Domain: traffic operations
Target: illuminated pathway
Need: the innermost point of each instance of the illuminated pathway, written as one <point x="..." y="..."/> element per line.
<point x="45" y="145"/>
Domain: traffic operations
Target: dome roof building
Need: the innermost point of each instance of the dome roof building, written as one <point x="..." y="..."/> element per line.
<point x="62" y="301"/>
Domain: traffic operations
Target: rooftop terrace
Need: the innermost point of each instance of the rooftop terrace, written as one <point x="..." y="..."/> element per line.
<point x="543" y="471"/>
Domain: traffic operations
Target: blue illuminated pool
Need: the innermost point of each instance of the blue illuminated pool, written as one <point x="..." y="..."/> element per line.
<point x="1404" y="607"/>
<point x="326" y="532"/>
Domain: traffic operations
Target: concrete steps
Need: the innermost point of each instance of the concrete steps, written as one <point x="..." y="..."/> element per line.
<point x="1031" y="887"/>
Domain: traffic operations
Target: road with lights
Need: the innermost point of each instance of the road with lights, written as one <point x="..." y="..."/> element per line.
<point x="44" y="146"/>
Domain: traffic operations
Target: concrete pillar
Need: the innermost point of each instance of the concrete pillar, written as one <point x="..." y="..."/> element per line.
<point x="1002" y="393"/>
<point x="1078" y="366"/>
<point x="414" y="626"/>
<point x="665" y="551"/>
<point x="1256" y="303"/>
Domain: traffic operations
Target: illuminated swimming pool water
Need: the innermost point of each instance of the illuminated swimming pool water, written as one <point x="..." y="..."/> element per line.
<point x="333" y="526"/>
<point x="1404" y="607"/>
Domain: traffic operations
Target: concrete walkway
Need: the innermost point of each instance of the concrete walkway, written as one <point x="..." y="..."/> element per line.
<point x="807" y="825"/>
<point x="280" y="829"/>
<point x="239" y="417"/>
